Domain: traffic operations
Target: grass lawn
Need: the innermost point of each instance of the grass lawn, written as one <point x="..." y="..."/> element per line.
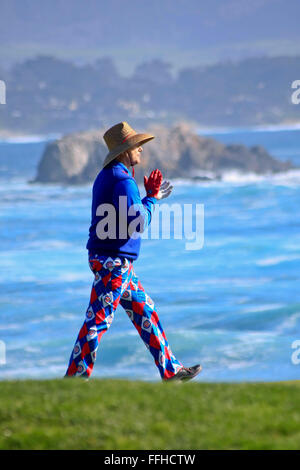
<point x="119" y="414"/>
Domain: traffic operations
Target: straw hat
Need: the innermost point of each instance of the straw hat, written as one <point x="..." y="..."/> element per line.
<point x="120" y="138"/>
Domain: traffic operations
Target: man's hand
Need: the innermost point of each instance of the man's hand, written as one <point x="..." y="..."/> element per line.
<point x="153" y="183"/>
<point x="165" y="190"/>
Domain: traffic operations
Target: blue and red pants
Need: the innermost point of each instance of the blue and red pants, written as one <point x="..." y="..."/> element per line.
<point x="116" y="282"/>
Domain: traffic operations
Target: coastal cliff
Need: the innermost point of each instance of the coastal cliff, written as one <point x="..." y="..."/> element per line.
<point x="178" y="152"/>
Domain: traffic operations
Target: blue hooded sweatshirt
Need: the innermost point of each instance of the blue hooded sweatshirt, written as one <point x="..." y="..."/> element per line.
<point x="117" y="225"/>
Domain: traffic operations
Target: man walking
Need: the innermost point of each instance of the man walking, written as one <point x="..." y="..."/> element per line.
<point x="119" y="216"/>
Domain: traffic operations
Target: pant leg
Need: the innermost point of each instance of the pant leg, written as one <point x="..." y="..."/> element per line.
<point x="112" y="276"/>
<point x="141" y="310"/>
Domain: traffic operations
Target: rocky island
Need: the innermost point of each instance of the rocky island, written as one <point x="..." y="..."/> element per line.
<point x="179" y="152"/>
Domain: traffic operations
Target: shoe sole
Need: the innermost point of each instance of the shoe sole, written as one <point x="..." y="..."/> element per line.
<point x="187" y="379"/>
<point x="184" y="379"/>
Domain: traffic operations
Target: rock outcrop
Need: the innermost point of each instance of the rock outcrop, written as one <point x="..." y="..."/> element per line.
<point x="178" y="152"/>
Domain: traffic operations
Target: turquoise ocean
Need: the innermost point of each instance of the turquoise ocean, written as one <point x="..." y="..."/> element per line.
<point x="233" y="306"/>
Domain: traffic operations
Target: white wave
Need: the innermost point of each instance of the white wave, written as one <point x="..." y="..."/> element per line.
<point x="277" y="128"/>
<point x="239" y="130"/>
<point x="237" y="282"/>
<point x="68" y="316"/>
<point x="27" y="279"/>
<point x="236" y="364"/>
<point x="276" y="260"/>
<point x="42" y="370"/>
<point x="290" y="178"/>
<point x="139" y="356"/>
<point x="293" y="245"/>
<point x="235" y="176"/>
<point x="48" y="244"/>
<point x="32" y="349"/>
<point x="288" y="323"/>
<point x="72" y="276"/>
<point x="79" y="292"/>
<point x="13" y="326"/>
<point x="28" y="139"/>
<point x="45" y="318"/>
<point x="262" y="308"/>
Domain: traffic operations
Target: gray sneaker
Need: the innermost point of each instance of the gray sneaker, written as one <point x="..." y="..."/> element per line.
<point x="186" y="373"/>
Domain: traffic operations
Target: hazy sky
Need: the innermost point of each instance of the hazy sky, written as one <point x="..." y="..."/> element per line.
<point x="183" y="32"/>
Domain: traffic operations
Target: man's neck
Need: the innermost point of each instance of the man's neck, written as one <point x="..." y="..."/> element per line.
<point x="124" y="161"/>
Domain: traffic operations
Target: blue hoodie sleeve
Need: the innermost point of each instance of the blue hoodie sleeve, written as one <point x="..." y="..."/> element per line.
<point x="141" y="207"/>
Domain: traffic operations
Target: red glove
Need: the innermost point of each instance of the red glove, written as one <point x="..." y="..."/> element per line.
<point x="152" y="184"/>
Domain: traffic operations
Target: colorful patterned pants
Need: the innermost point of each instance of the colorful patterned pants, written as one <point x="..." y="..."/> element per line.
<point x="116" y="282"/>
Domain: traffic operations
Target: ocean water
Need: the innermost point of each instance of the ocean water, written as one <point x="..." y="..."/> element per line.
<point x="233" y="306"/>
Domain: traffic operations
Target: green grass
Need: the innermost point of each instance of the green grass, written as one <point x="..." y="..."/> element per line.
<point x="119" y="414"/>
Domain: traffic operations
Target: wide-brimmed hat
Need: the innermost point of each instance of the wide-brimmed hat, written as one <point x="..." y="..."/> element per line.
<point x="120" y="138"/>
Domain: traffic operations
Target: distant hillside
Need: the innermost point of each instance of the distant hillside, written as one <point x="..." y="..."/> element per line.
<point x="50" y="95"/>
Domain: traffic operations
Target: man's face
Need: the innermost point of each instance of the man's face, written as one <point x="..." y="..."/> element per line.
<point x="135" y="154"/>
